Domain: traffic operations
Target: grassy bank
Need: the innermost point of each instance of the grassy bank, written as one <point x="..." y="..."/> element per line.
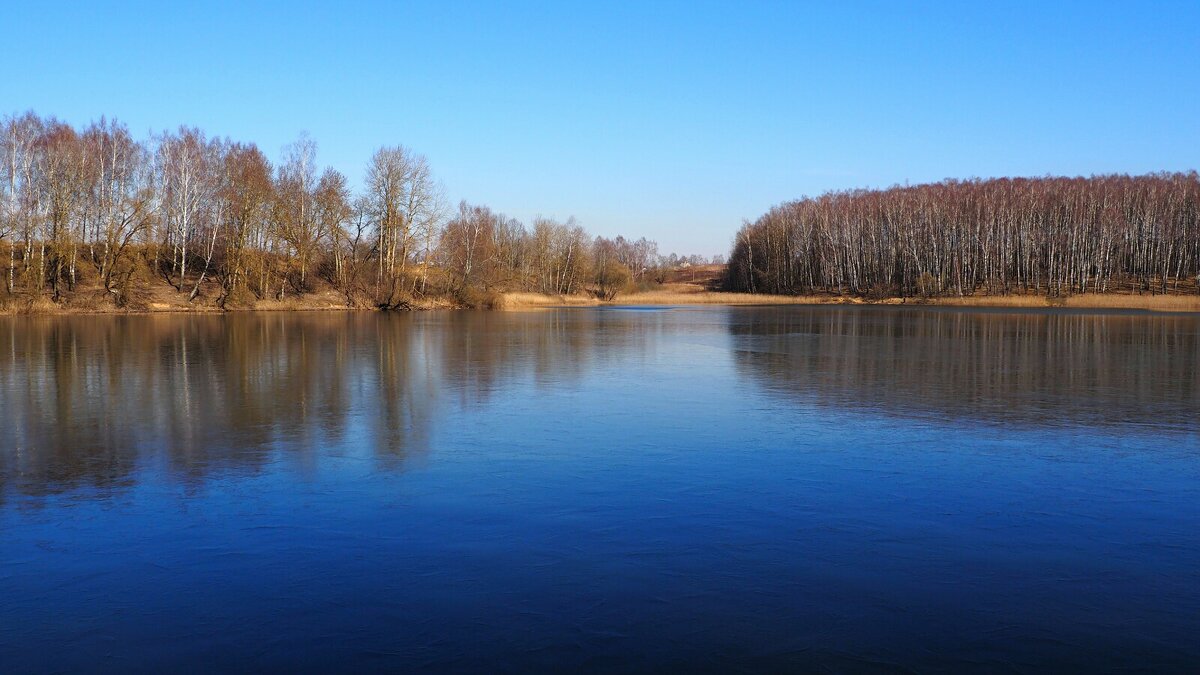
<point x="696" y="286"/>
<point x="676" y="296"/>
<point x="162" y="298"/>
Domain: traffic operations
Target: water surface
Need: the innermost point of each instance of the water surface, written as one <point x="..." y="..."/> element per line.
<point x="864" y="489"/>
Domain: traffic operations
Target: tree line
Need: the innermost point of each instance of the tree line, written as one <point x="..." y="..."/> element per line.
<point x="1052" y="236"/>
<point x="96" y="210"/>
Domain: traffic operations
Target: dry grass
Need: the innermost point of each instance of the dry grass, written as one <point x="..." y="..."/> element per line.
<point x="26" y="304"/>
<point x="701" y="297"/>
<point x="695" y="294"/>
<point x="669" y="294"/>
<point x="684" y="293"/>
<point x="688" y="294"/>
<point x="162" y="299"/>
<point x="1155" y="303"/>
<point x="521" y="301"/>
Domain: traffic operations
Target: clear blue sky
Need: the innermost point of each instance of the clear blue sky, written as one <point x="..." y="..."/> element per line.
<point x="672" y="120"/>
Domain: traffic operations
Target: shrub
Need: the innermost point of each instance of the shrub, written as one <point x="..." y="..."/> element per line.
<point x="612" y="278"/>
<point x="881" y="291"/>
<point x="927" y="285"/>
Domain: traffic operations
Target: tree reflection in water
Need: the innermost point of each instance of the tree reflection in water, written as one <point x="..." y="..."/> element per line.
<point x="85" y="401"/>
<point x="1028" y="368"/>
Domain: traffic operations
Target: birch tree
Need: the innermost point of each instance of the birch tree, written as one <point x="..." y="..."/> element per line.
<point x="184" y="165"/>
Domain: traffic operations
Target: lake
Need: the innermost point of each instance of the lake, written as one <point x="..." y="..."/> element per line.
<point x="862" y="489"/>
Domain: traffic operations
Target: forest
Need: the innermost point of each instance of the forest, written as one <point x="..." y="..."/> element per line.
<point x="94" y="217"/>
<point x="1046" y="236"/>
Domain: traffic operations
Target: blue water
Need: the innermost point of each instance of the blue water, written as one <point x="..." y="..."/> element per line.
<point x="712" y="489"/>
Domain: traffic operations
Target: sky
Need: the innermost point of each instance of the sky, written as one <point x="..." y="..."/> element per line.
<point x="674" y="121"/>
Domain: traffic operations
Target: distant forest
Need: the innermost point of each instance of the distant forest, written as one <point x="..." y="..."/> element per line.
<point x="95" y="212"/>
<point x="1051" y="236"/>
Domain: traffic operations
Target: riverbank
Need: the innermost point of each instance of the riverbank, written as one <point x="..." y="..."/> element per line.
<point x="165" y="300"/>
<point x="683" y="295"/>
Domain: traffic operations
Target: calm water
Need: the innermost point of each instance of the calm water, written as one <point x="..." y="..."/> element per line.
<point x="857" y="489"/>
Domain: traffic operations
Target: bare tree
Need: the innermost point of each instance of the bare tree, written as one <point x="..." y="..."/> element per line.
<point x="402" y="200"/>
<point x="119" y="198"/>
<point x="61" y="179"/>
<point x="246" y="196"/>
<point x="185" y="168"/>
<point x="296" y="213"/>
<point x="18" y="136"/>
<point x="334" y="213"/>
<point x="468" y="246"/>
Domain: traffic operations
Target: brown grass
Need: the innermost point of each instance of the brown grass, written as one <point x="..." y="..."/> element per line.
<point x="668" y="294"/>
<point x="525" y="300"/>
<point x="1155" y="303"/>
<point x="673" y="296"/>
<point x="689" y="294"/>
<point x="26" y="304"/>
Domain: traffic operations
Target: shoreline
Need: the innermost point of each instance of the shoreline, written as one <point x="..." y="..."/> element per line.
<point x="526" y="301"/>
<point x="1165" y="304"/>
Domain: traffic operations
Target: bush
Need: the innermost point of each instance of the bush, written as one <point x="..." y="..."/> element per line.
<point x="927" y="285"/>
<point x="612" y="278"/>
<point x="881" y="291"/>
<point x="477" y="298"/>
<point x="238" y="297"/>
<point x="399" y="298"/>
